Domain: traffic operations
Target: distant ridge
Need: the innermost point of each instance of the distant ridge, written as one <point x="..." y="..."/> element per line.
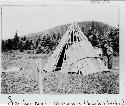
<point x="62" y="29"/>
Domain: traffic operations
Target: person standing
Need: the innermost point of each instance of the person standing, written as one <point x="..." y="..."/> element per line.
<point x="109" y="54"/>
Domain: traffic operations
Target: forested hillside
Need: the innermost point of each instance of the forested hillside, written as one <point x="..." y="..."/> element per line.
<point x="97" y="33"/>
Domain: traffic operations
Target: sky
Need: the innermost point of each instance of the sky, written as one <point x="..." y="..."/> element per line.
<point x="33" y="19"/>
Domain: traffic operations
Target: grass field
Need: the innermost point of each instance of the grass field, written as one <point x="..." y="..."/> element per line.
<point x="97" y="83"/>
<point x="26" y="81"/>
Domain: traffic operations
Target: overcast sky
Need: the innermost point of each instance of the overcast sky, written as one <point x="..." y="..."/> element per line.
<point x="31" y="19"/>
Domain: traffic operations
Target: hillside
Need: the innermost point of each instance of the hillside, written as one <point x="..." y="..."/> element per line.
<point x="98" y="34"/>
<point x="99" y="26"/>
<point x="98" y="30"/>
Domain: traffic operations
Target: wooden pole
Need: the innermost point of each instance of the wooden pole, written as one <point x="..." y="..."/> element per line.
<point x="40" y="76"/>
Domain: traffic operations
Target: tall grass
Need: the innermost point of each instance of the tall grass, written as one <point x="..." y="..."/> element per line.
<point x="96" y="83"/>
<point x="18" y="83"/>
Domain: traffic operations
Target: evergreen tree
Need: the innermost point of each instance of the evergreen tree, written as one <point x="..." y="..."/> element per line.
<point x="16" y="42"/>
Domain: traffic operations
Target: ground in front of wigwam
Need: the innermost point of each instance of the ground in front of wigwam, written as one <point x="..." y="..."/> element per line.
<point x="96" y="83"/>
<point x="27" y="81"/>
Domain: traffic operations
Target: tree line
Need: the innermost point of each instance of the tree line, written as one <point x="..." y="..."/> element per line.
<point x="47" y="43"/>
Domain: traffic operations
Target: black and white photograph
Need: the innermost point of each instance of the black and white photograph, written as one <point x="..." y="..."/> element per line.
<point x="60" y="49"/>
